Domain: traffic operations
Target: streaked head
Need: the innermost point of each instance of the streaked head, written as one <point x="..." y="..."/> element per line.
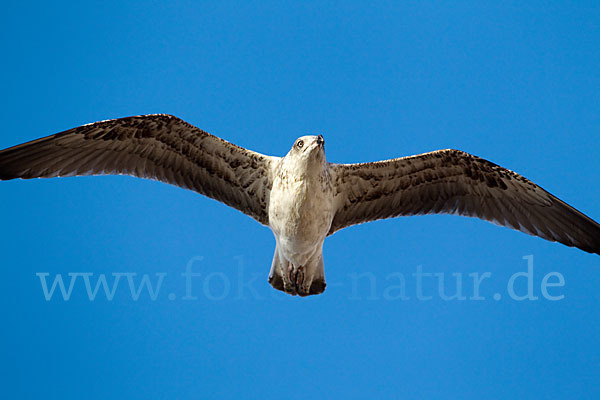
<point x="307" y="156"/>
<point x="308" y="147"/>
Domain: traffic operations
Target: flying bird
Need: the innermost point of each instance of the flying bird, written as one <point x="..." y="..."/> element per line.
<point x="302" y="197"/>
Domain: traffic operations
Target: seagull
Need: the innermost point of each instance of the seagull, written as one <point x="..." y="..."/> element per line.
<point x="302" y="197"/>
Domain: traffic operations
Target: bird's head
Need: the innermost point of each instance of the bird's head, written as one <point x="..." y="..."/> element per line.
<point x="309" y="148"/>
<point x="306" y="154"/>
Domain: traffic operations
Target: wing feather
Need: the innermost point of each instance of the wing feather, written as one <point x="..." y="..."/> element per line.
<point x="158" y="146"/>
<point x="455" y="182"/>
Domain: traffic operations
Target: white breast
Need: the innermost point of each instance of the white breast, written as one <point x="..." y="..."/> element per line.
<point x="300" y="215"/>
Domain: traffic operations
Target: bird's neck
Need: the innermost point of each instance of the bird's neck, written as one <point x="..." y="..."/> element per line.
<point x="304" y="174"/>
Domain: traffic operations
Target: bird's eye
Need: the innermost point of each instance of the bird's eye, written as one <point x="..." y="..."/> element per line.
<point x="300" y="143"/>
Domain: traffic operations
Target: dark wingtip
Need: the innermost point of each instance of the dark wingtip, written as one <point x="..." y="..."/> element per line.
<point x="6" y="175"/>
<point x="591" y="250"/>
<point x="9" y="172"/>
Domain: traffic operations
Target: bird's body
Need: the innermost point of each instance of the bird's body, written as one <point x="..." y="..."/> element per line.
<point x="302" y="197"/>
<point x="300" y="215"/>
<point x="301" y="205"/>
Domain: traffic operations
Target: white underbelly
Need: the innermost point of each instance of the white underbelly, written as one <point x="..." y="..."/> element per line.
<point x="300" y="222"/>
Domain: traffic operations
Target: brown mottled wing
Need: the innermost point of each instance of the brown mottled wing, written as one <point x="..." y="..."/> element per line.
<point x="159" y="147"/>
<point x="454" y="182"/>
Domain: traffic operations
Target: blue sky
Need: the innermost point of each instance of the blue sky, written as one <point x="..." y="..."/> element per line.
<point x="516" y="84"/>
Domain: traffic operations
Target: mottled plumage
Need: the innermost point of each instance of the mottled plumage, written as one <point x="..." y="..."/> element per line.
<point x="301" y="196"/>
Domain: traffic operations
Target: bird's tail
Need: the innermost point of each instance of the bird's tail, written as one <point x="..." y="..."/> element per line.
<point x="302" y="280"/>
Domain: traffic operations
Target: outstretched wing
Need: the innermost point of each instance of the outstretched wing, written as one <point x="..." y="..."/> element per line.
<point x="455" y="182"/>
<point x="160" y="147"/>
